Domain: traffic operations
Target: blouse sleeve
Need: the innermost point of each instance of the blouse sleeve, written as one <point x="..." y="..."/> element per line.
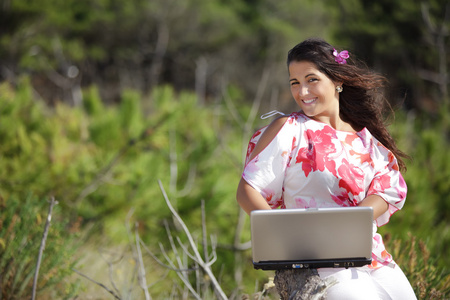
<point x="387" y="183"/>
<point x="265" y="172"/>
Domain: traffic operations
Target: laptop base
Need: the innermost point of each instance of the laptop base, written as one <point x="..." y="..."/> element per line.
<point x="312" y="264"/>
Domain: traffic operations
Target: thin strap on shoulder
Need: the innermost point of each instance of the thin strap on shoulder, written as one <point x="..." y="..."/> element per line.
<point x="271" y="114"/>
<point x="261" y="141"/>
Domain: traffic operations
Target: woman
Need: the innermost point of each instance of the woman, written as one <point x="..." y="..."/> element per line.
<point x="336" y="151"/>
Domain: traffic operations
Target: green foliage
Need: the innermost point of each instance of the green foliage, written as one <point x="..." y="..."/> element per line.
<point x="418" y="236"/>
<point x="100" y="161"/>
<point x="428" y="178"/>
<point x="21" y="229"/>
<point x="138" y="44"/>
<point x="92" y="102"/>
<point x="428" y="280"/>
<point x="396" y="38"/>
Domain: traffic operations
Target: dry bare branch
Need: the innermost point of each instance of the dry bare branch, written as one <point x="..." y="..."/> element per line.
<point x="189" y="182"/>
<point x="426" y="17"/>
<point x="218" y="290"/>
<point x="201" y="73"/>
<point x="163" y="264"/>
<point x="180" y="274"/>
<point x="231" y="107"/>
<point x="237" y="245"/>
<point x="141" y="269"/>
<point x="173" y="165"/>
<point x="174" y="248"/>
<point x="53" y="202"/>
<point x="436" y="37"/>
<point x="98" y="283"/>
<point x="257" y="101"/>
<point x="204" y="241"/>
<point x="173" y="161"/>
<point x="213" y="257"/>
<point x="110" y="272"/>
<point x="186" y="250"/>
<point x="160" y="51"/>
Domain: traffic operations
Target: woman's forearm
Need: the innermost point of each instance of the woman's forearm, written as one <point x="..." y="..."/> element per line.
<point x="377" y="203"/>
<point x="249" y="198"/>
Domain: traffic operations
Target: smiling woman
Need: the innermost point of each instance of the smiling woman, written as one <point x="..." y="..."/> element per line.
<point x="316" y="94"/>
<point x="336" y="151"/>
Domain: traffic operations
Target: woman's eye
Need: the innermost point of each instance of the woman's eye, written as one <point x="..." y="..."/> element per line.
<point x="294" y="83"/>
<point x="312" y="79"/>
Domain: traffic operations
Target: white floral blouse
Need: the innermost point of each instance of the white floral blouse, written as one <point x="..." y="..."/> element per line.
<point x="310" y="164"/>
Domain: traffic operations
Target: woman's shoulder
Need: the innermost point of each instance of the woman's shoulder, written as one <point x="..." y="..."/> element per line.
<point x="283" y="127"/>
<point x="293" y="118"/>
<point x="288" y="122"/>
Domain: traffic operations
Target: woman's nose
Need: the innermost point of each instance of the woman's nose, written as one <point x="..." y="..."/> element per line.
<point x="302" y="91"/>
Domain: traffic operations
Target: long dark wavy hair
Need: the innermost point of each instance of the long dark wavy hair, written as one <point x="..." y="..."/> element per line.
<point x="361" y="103"/>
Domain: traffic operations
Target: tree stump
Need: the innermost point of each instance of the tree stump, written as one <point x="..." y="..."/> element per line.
<point x="302" y="284"/>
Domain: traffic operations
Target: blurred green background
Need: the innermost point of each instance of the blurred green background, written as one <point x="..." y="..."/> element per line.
<point x="101" y="99"/>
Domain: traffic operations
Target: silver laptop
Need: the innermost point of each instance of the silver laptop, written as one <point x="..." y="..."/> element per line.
<point x="311" y="238"/>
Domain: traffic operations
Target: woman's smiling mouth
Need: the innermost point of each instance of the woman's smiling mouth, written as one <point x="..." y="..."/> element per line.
<point x="309" y="101"/>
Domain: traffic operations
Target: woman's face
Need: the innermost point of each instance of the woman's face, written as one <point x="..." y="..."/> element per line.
<point x="313" y="91"/>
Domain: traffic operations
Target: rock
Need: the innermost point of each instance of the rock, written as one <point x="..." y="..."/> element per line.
<point x="302" y="284"/>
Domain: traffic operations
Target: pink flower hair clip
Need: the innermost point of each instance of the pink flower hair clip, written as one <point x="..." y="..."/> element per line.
<point x="340" y="57"/>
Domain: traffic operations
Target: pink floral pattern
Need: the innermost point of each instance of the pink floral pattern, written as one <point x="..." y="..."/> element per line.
<point x="253" y="141"/>
<point x="351" y="178"/>
<point x="310" y="164"/>
<point x="272" y="200"/>
<point x="316" y="156"/>
<point x="306" y="203"/>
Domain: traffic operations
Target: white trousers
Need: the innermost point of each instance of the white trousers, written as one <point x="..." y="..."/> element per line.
<point x="385" y="283"/>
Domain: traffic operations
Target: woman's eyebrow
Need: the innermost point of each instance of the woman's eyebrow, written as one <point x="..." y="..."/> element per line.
<point x="306" y="76"/>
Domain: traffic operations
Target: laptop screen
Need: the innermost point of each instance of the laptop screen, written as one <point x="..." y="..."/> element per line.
<point x="311" y="238"/>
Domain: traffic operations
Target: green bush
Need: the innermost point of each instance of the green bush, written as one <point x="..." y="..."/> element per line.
<point x="428" y="279"/>
<point x="100" y="161"/>
<point x="426" y="212"/>
<point x="22" y="223"/>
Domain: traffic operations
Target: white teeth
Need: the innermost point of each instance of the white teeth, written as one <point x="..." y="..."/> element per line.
<point x="309" y="101"/>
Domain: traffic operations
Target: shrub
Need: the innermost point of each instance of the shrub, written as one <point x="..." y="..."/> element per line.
<point x="21" y="231"/>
